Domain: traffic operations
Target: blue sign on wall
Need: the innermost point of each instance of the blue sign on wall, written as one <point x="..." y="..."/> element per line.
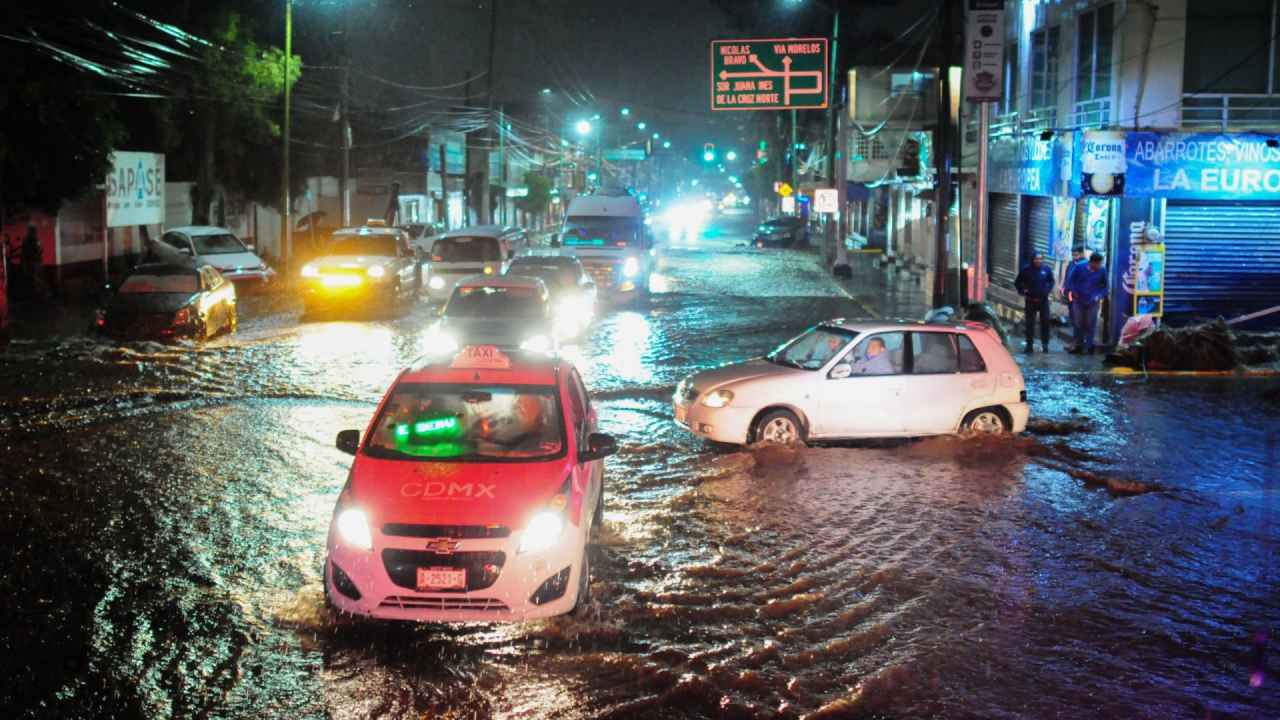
<point x="1202" y="166"/>
<point x="1024" y="164"/>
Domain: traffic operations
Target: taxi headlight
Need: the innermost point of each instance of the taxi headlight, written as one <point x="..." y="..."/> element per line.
<point x="353" y="528"/>
<point x="542" y="532"/>
<point x="376" y="271"/>
<point x="310" y="271"/>
<point x="436" y="282"/>
<point x="631" y="267"/>
<point x="537" y="343"/>
<point x="717" y="399"/>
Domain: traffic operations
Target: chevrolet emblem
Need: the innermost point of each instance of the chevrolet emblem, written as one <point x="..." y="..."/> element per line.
<point x="442" y="546"/>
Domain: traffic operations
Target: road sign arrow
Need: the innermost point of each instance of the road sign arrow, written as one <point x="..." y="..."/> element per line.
<point x="786" y="61"/>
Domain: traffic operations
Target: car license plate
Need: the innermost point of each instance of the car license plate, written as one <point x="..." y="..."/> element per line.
<point x="681" y="412"/>
<point x="438" y="578"/>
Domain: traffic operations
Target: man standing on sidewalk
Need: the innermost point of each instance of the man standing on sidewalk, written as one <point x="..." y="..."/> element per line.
<point x="1078" y="260"/>
<point x="1088" y="287"/>
<point x="1034" y="283"/>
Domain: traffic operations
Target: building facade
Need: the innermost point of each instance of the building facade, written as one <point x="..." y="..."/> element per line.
<point x="1148" y="131"/>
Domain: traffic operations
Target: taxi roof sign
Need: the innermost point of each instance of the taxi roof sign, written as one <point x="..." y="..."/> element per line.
<point x="481" y="357"/>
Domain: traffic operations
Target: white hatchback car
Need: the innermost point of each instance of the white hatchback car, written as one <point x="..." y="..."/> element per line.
<point x="855" y="379"/>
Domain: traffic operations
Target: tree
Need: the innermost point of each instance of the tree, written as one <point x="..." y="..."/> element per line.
<point x="221" y="128"/>
<point x="56" y="134"/>
<point x="539" y="194"/>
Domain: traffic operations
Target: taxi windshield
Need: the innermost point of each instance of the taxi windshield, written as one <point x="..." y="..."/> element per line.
<point x="494" y="302"/>
<point x="813" y="349"/>
<point x="363" y="245"/>
<point x="486" y="423"/>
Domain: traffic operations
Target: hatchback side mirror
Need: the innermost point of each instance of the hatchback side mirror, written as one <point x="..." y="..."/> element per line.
<point x="841" y="371"/>
<point x="348" y="441"/>
<point x="555" y="239"/>
<point x="599" y="446"/>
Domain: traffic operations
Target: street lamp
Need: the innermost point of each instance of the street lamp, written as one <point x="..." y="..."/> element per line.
<point x="731" y="156"/>
<point x="666" y="144"/>
<point x="657" y="135"/>
<point x="625" y="112"/>
<point x="640" y="125"/>
<point x="583" y="127"/>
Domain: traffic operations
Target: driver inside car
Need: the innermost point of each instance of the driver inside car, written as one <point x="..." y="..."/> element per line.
<point x="522" y="429"/>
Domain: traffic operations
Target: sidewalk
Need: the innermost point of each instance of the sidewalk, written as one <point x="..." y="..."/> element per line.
<point x="898" y="293"/>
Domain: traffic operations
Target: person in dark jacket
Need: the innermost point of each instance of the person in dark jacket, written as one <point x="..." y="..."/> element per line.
<point x="1034" y="284"/>
<point x="1078" y="260"/>
<point x="32" y="259"/>
<point x="1088" y="288"/>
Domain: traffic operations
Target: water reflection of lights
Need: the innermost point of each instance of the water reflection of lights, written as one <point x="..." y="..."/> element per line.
<point x="630" y="341"/>
<point x="357" y="353"/>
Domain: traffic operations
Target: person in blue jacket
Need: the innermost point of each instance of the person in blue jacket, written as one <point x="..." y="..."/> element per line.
<point x="1088" y="285"/>
<point x="1078" y="260"/>
<point x="1034" y="284"/>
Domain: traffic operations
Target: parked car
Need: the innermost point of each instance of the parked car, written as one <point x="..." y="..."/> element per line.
<point x="846" y="379"/>
<point x="472" y="494"/>
<point x="477" y="250"/>
<point x="362" y="267"/>
<point x="169" y="300"/>
<point x="572" y="291"/>
<point x="505" y="311"/>
<point x="218" y="247"/>
<point x="781" y="231"/>
<point x="422" y="236"/>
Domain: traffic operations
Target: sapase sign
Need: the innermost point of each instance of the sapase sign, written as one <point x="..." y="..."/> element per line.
<point x="1202" y="166"/>
<point x="135" y="189"/>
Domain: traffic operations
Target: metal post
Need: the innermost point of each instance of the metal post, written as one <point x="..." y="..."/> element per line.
<point x="795" y="165"/>
<point x="980" y="255"/>
<point x="286" y="247"/>
<point x="943" y="152"/>
<point x="833" y="232"/>
<point x="344" y="180"/>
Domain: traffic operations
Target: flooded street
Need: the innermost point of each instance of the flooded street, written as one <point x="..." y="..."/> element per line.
<point x="166" y="508"/>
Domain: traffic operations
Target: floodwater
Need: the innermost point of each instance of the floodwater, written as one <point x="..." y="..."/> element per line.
<point x="166" y="507"/>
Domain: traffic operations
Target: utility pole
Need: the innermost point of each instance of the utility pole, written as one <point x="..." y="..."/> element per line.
<point x="485" y="214"/>
<point x="795" y="161"/>
<point x="344" y="179"/>
<point x="943" y="151"/>
<point x="286" y="248"/>
<point x="834" y="234"/>
<point x="468" y="161"/>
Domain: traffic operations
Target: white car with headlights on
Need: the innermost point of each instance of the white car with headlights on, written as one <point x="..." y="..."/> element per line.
<point x="507" y="311"/>
<point x="851" y="379"/>
<point x="572" y="291"/>
<point x="361" y="266"/>
<point x="472" y="495"/>
<point x="476" y="250"/>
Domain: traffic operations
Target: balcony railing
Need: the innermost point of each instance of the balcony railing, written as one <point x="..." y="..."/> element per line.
<point x="1091" y="113"/>
<point x="1237" y="112"/>
<point x="1012" y="123"/>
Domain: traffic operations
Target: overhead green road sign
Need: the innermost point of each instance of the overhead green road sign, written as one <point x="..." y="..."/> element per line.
<point x="620" y="154"/>
<point x="769" y="74"/>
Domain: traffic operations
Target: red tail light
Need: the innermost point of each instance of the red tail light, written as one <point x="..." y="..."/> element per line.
<point x="182" y="317"/>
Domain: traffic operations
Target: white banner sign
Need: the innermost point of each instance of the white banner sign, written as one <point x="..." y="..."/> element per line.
<point x="984" y="50"/>
<point x="826" y="200"/>
<point x="135" y="189"/>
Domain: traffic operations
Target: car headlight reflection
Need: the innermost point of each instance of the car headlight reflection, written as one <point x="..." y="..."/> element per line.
<point x="436" y="282"/>
<point x="631" y="267"/>
<point x="310" y="271"/>
<point x="353" y="528"/>
<point x="717" y="399"/>
<point x="543" y="531"/>
<point x="376" y="271"/>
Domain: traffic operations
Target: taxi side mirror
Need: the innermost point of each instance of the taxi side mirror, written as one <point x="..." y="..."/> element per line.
<point x="599" y="446"/>
<point x="348" y="441"/>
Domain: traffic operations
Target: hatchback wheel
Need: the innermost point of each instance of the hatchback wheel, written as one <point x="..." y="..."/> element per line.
<point x="779" y="427"/>
<point x="986" y="420"/>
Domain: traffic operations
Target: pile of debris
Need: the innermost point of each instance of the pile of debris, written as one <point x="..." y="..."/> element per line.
<point x="1211" y="346"/>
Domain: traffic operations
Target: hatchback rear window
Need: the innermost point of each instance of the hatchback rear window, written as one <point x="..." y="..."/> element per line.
<point x="970" y="358"/>
<point x="466" y="249"/>
<point x="184" y="283"/>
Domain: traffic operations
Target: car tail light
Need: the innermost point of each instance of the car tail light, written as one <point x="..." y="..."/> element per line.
<point x="182" y="317"/>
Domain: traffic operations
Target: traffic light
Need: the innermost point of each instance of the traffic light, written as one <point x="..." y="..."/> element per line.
<point x="709" y="152"/>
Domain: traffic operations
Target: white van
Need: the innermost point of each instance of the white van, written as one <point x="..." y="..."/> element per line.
<point x="606" y="232"/>
<point x="476" y="250"/>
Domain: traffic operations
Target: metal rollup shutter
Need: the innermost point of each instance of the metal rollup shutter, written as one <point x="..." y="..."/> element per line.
<point x="1003" y="238"/>
<point x="1039" y="224"/>
<point x="1221" y="258"/>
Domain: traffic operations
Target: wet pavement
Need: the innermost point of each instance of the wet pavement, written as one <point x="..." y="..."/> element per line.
<point x="166" y="506"/>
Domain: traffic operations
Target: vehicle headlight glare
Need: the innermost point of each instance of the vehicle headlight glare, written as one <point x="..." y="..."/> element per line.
<point x="537" y="343"/>
<point x="436" y="282"/>
<point x="717" y="399"/>
<point x="376" y="271"/>
<point x="631" y="267"/>
<point x="310" y="271"/>
<point x="543" y="531"/>
<point x="440" y="341"/>
<point x="353" y="528"/>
